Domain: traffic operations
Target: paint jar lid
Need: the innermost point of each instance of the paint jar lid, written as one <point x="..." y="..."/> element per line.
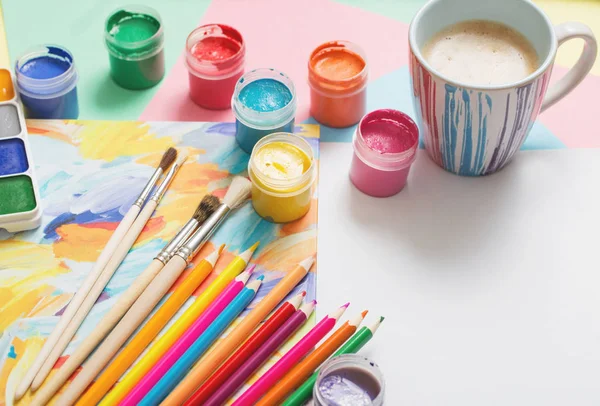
<point x="126" y="41"/>
<point x="390" y="129"/>
<point x="215" y="66"/>
<point x="349" y="379"/>
<point x="35" y="82"/>
<point x="266" y="120"/>
<point x="332" y="86"/>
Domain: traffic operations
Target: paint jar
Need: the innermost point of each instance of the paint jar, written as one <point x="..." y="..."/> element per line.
<point x="134" y="38"/>
<point x="282" y="171"/>
<point x="214" y="58"/>
<point x="385" y="146"/>
<point x="349" y="379"/>
<point x="337" y="75"/>
<point x="264" y="102"/>
<point x="47" y="83"/>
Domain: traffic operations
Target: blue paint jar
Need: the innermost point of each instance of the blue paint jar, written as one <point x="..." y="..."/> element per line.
<point x="264" y="102"/>
<point x="47" y="82"/>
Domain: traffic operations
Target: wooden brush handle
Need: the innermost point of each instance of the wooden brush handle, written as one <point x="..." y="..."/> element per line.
<point x="128" y="324"/>
<point x="95" y="292"/>
<point x="56" y="381"/>
<point x="78" y="299"/>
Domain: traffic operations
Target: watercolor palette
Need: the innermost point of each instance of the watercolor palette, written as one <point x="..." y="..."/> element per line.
<point x="19" y="199"/>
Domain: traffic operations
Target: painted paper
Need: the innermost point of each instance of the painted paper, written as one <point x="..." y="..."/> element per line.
<point x="90" y="172"/>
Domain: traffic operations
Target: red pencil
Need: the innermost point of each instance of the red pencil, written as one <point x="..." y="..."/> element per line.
<point x="245" y="351"/>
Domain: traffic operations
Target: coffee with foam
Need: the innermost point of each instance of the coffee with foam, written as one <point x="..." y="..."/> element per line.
<point x="480" y="52"/>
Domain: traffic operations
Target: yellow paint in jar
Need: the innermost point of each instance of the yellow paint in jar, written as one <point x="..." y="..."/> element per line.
<point x="282" y="172"/>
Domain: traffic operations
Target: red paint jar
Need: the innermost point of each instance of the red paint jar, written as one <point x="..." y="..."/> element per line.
<point x="214" y="58"/>
<point x="337" y="75"/>
<point x="385" y="146"/>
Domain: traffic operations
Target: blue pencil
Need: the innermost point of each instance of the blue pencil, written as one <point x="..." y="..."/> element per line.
<point x="178" y="371"/>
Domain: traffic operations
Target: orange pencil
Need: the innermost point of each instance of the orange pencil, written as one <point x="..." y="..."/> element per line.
<point x="297" y="375"/>
<point x="225" y="348"/>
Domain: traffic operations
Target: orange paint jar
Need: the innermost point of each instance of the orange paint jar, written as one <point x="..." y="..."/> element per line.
<point x="337" y="75"/>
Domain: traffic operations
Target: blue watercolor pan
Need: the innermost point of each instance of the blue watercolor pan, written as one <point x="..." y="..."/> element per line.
<point x="13" y="157"/>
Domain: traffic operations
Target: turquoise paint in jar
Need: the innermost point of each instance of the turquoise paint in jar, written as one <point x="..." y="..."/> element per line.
<point x="264" y="102"/>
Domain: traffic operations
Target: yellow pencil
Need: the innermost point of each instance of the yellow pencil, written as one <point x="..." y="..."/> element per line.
<point x="156" y="351"/>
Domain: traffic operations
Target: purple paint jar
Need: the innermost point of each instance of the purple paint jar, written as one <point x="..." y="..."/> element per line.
<point x="385" y="145"/>
<point x="349" y="379"/>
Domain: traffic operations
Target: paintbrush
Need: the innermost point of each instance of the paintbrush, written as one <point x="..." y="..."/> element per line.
<point x="206" y="207"/>
<point x="107" y="273"/>
<point x="238" y="192"/>
<point x="111" y="246"/>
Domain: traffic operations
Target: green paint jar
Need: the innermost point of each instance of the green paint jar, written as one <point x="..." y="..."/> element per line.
<point x="134" y="38"/>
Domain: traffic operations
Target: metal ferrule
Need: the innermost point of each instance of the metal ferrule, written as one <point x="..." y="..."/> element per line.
<point x="171" y="248"/>
<point x="160" y="190"/>
<point x="148" y="188"/>
<point x="202" y="234"/>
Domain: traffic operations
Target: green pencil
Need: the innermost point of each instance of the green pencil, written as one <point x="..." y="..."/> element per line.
<point x="353" y="345"/>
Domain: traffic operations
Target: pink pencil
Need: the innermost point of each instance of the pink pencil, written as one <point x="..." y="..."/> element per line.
<point x="186" y="340"/>
<point x="281" y="367"/>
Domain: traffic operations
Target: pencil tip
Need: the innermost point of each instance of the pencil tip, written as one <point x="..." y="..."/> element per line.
<point x="381" y="319"/>
<point x="250" y="269"/>
<point x="346" y="305"/>
<point x="221" y="248"/>
<point x="303" y="293"/>
<point x="260" y="278"/>
<point x="364" y="313"/>
<point x="314" y="302"/>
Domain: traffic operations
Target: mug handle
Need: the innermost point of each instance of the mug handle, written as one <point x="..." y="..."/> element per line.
<point x="577" y="73"/>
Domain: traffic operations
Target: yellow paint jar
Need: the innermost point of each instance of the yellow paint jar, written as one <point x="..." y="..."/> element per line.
<point x="282" y="171"/>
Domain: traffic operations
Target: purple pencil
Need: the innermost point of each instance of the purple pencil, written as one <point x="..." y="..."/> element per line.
<point x="261" y="355"/>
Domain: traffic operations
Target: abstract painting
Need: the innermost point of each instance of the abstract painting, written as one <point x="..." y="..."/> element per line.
<point x="89" y="174"/>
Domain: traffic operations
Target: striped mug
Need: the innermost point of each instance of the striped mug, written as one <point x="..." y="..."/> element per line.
<point x="475" y="130"/>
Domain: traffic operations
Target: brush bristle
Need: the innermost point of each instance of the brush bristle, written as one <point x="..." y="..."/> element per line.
<point x="207" y="206"/>
<point x="168" y="158"/>
<point x="238" y="191"/>
<point x="182" y="156"/>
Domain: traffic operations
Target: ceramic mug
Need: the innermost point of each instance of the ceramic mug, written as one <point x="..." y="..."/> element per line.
<point x="476" y="130"/>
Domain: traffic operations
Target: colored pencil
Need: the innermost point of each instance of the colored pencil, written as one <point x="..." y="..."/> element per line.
<point x="125" y="301"/>
<point x="185" y="341"/>
<point x="197" y="349"/>
<point x="293" y="356"/>
<point x="260" y="356"/>
<point x="298" y="374"/>
<point x="134" y="317"/>
<point x="223" y="350"/>
<point x="82" y="293"/>
<point x="108" y="271"/>
<point x="353" y="345"/>
<point x="280" y="316"/>
<point x="160" y="347"/>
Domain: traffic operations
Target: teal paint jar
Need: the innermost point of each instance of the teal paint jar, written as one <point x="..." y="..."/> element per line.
<point x="134" y="38"/>
<point x="264" y="102"/>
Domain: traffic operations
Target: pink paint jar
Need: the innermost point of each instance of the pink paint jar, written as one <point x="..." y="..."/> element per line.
<point x="214" y="58"/>
<point x="385" y="145"/>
